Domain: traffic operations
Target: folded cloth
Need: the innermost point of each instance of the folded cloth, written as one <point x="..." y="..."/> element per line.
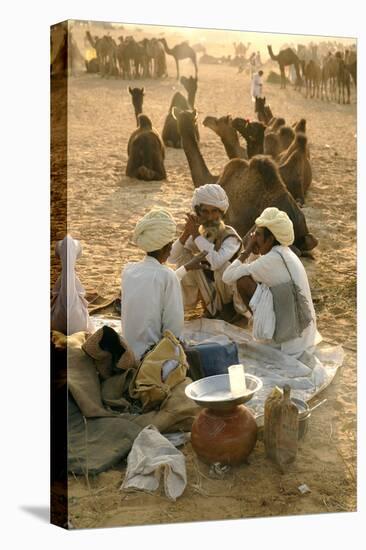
<point x="152" y="456"/>
<point x="264" y="319"/>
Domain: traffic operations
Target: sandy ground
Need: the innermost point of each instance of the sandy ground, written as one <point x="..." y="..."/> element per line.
<point x="103" y="207"/>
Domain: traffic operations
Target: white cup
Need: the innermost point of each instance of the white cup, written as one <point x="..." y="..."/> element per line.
<point x="237" y="380"/>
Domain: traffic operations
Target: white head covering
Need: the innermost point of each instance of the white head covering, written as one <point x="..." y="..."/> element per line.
<point x="69" y="311"/>
<point x="278" y="223"/>
<point x="156" y="229"/>
<point x="211" y="194"/>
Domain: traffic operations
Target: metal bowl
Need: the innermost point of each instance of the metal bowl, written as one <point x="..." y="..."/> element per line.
<point x="214" y="391"/>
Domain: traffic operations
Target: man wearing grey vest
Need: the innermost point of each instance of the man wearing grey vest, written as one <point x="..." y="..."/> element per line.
<point x="206" y="231"/>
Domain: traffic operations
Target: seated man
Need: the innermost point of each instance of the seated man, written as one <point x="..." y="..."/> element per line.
<point x="151" y="294"/>
<point x="273" y="235"/>
<point x="206" y="231"/>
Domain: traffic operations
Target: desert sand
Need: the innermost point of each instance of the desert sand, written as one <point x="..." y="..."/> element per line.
<point x="103" y="206"/>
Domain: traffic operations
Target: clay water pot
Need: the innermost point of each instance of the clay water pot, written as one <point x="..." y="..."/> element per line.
<point x="227" y="436"/>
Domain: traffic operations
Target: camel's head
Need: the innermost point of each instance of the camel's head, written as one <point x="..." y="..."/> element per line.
<point x="300" y="126"/>
<point x="186" y="120"/>
<point x="189" y="84"/>
<point x="252" y="132"/>
<point x="137" y="97"/>
<point x="221" y="126"/>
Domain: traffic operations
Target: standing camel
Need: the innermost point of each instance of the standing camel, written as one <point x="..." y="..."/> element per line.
<point x="181" y="51"/>
<point x="285" y="58"/>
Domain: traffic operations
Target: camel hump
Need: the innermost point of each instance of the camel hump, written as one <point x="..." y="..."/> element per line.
<point x="233" y="167"/>
<point x="144" y="122"/>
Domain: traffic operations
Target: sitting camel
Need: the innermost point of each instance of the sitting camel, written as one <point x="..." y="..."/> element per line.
<point x="146" y="152"/>
<point x="271" y="145"/>
<point x="181" y="51"/>
<point x="293" y="170"/>
<point x="137" y="100"/>
<point x="263" y="111"/>
<point x="251" y="187"/>
<point x="170" y="134"/>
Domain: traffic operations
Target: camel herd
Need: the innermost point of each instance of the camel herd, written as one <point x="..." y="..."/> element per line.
<point x="136" y="59"/>
<point x="327" y="79"/>
<point x="273" y="169"/>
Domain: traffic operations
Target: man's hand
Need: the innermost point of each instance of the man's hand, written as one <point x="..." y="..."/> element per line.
<point x="191" y="227"/>
<point x="196" y="262"/>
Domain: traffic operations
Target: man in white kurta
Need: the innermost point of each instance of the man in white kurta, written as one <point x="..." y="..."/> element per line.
<point x="151" y="295"/>
<point x="256" y="88"/>
<point x="269" y="270"/>
<point x="205" y="231"/>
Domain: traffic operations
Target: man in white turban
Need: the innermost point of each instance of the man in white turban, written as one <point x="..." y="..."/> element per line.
<point x="206" y="231"/>
<point x="151" y="296"/>
<point x="255" y="275"/>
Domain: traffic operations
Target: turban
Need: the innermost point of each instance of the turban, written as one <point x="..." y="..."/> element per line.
<point x="278" y="223"/>
<point x="211" y="194"/>
<point x="156" y="229"/>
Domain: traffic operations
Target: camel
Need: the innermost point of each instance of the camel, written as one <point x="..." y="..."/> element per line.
<point x="190" y="85"/>
<point x="286" y="154"/>
<point x="181" y="51"/>
<point x="170" y="134"/>
<point x="241" y="49"/>
<point x="312" y="76"/>
<point x="123" y="59"/>
<point x="106" y="50"/>
<point x="329" y="76"/>
<point x="136" y="54"/>
<point x="343" y="79"/>
<point x="137" y="100"/>
<point x="251" y="186"/>
<point x="350" y="60"/>
<point x="156" y="53"/>
<point x="275" y="124"/>
<point x="253" y="133"/>
<point x="228" y="135"/>
<point x="146" y="152"/>
<point x="284" y="58"/>
<point x="292" y="169"/>
<point x="264" y="113"/>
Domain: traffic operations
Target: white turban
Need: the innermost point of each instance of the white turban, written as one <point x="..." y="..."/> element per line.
<point x="211" y="194"/>
<point x="156" y="229"/>
<point x="278" y="223"/>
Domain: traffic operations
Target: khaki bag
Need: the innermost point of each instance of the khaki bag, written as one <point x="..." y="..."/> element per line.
<point x="161" y="369"/>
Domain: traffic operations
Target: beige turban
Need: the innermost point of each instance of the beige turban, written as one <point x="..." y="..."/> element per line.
<point x="278" y="223"/>
<point x="211" y="194"/>
<point x="156" y="229"/>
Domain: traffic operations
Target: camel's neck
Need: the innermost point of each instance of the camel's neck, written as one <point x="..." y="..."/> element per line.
<point x="232" y="147"/>
<point x="166" y="48"/>
<point x="138" y="111"/>
<point x="89" y="37"/>
<point x="191" y="98"/>
<point x="199" y="171"/>
<point x="272" y="55"/>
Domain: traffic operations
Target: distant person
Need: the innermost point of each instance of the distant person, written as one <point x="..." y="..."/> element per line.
<point x="258" y="61"/>
<point x="256" y="87"/>
<point x="252" y="64"/>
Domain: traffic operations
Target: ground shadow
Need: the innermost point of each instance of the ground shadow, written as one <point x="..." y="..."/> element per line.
<point x="41" y="512"/>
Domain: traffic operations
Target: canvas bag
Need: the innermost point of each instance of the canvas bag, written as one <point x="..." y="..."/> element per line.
<point x="160" y="370"/>
<point x="291" y="309"/>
